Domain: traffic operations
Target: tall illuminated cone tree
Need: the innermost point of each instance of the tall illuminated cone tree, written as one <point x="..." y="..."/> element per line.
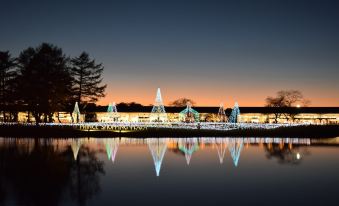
<point x="221" y="113"/>
<point x="234" y="114"/>
<point x="112" y="111"/>
<point x="76" y="113"/>
<point x="158" y="112"/>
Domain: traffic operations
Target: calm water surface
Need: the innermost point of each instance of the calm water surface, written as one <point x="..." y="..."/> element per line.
<point x="169" y="171"/>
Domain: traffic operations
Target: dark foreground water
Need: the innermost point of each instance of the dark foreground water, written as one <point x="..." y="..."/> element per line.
<point x="169" y="171"/>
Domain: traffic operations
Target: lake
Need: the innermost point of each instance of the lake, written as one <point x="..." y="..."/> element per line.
<point x="169" y="171"/>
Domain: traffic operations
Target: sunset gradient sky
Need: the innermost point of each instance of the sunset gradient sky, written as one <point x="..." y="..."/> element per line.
<point x="209" y="51"/>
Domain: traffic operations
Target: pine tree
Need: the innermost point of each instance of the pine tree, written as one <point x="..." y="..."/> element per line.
<point x="44" y="80"/>
<point x="7" y="74"/>
<point x="87" y="79"/>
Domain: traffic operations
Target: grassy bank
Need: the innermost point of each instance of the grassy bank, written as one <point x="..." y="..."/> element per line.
<point x="310" y="131"/>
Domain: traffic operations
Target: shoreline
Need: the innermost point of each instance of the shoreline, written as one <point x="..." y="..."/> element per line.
<point x="309" y="131"/>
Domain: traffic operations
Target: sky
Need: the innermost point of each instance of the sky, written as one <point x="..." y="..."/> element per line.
<point x="209" y="51"/>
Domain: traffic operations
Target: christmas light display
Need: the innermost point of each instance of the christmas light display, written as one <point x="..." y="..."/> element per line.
<point x="188" y="146"/>
<point x="221" y="113"/>
<point x="189" y="115"/>
<point x="112" y="146"/>
<point x="158" y="113"/>
<point x="76" y="113"/>
<point x="221" y="149"/>
<point x="75" y="145"/>
<point x="112" y="112"/>
<point x="235" y="146"/>
<point x="234" y="114"/>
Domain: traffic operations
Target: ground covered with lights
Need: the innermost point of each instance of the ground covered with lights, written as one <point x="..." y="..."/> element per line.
<point x="164" y="130"/>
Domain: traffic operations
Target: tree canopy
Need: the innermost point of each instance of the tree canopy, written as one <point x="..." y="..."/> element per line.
<point x="182" y="102"/>
<point x="43" y="80"/>
<point x="7" y="74"/>
<point x="287" y="98"/>
<point x="87" y="79"/>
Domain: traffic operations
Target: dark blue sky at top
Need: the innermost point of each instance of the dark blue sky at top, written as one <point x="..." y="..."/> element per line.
<point x="215" y="46"/>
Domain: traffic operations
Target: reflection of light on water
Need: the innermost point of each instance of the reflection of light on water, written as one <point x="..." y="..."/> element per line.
<point x="298" y="156"/>
<point x="276" y="147"/>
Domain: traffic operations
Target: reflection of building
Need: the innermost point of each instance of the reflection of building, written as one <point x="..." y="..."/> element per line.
<point x="248" y="114"/>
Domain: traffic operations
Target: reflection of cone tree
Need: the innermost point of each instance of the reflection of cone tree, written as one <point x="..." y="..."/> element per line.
<point x="75" y="145"/>
<point x="221" y="149"/>
<point x="115" y="150"/>
<point x="188" y="147"/>
<point x="158" y="149"/>
<point x="112" y="146"/>
<point x="235" y="148"/>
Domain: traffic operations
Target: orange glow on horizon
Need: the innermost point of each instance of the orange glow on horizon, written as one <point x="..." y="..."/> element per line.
<point x="243" y="96"/>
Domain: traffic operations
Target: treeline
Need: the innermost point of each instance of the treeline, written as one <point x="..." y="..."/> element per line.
<point x="44" y="80"/>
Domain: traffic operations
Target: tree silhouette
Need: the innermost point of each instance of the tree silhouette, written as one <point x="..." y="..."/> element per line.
<point x="7" y="74"/>
<point x="87" y="79"/>
<point x="44" y="173"/>
<point x="44" y="80"/>
<point x="182" y="102"/>
<point x="286" y="98"/>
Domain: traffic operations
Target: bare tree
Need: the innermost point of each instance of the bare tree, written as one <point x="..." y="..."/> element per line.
<point x="290" y="97"/>
<point x="181" y="102"/>
<point x="275" y="102"/>
<point x="287" y="98"/>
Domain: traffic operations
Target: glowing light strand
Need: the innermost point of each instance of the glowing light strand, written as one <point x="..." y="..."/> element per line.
<point x="158" y="112"/>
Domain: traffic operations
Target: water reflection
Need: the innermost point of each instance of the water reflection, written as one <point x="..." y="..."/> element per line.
<point x="38" y="171"/>
<point x="48" y="171"/>
<point x="158" y="149"/>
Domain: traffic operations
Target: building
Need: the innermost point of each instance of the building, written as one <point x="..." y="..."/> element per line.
<point x="316" y="115"/>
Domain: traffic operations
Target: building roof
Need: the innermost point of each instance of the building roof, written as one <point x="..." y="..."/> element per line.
<point x="269" y="110"/>
<point x="262" y="110"/>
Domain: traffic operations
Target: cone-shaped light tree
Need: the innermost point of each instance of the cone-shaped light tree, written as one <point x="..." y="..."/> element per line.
<point x="234" y="114"/>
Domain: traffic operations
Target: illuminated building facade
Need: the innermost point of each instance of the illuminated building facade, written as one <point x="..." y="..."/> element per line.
<point x="316" y="115"/>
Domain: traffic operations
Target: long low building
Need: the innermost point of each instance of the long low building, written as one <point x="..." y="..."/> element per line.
<point x="318" y="115"/>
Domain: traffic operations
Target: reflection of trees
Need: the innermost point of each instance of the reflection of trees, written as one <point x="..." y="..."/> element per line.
<point x="43" y="175"/>
<point x="84" y="182"/>
<point x="284" y="153"/>
<point x="36" y="178"/>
